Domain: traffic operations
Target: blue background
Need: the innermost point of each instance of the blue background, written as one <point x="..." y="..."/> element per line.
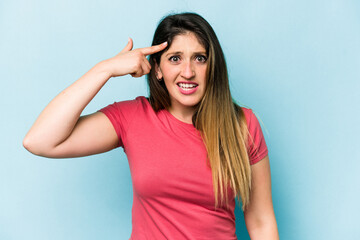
<point x="296" y="63"/>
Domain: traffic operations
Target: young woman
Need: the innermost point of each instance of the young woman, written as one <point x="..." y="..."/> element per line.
<point x="191" y="149"/>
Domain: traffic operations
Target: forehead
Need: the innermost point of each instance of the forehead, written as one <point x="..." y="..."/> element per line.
<point x="187" y="41"/>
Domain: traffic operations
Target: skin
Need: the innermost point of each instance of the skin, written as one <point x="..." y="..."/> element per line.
<point x="60" y="131"/>
<point x="259" y="215"/>
<point x="184" y="61"/>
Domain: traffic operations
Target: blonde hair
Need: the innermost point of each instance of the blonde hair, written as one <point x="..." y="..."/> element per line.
<point x="219" y="119"/>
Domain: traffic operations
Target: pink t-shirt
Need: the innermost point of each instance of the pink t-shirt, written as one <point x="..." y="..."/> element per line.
<point x="172" y="184"/>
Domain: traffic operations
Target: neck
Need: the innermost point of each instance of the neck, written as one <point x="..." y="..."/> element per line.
<point x="184" y="115"/>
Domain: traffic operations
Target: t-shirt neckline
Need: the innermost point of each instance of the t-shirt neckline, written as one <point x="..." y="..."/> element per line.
<point x="173" y="119"/>
<point x="178" y="121"/>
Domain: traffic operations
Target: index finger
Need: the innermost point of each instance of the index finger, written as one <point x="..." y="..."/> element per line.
<point x="153" y="49"/>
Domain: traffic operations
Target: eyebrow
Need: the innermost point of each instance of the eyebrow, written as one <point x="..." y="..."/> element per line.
<point x="179" y="53"/>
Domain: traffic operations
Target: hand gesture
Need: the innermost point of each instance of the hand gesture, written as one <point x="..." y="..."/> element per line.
<point x="133" y="62"/>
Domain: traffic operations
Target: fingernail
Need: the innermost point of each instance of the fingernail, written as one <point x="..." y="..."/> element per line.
<point x="164" y="43"/>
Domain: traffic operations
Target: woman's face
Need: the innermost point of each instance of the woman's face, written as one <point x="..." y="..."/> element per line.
<point x="183" y="67"/>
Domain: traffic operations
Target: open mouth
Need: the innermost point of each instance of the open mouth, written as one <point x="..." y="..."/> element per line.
<point x="187" y="86"/>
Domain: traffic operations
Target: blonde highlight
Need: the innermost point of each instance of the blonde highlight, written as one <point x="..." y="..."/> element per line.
<point x="219" y="119"/>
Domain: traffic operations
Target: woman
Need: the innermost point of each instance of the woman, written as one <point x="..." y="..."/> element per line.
<point x="191" y="149"/>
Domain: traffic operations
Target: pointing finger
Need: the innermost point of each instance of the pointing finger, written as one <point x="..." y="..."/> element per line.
<point x="128" y="46"/>
<point x="154" y="49"/>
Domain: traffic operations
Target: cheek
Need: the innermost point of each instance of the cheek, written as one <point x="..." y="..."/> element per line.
<point x="202" y="74"/>
<point x="169" y="78"/>
<point x="169" y="73"/>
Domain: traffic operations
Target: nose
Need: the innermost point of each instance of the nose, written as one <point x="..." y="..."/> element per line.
<point x="188" y="71"/>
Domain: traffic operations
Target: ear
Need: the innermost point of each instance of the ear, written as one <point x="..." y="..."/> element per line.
<point x="158" y="72"/>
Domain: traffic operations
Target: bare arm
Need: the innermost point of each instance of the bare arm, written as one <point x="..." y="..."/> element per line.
<point x="60" y="132"/>
<point x="259" y="216"/>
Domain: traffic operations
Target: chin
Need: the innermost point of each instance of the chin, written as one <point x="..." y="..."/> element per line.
<point x="191" y="103"/>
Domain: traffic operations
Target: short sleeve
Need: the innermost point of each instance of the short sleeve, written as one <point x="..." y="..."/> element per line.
<point x="257" y="148"/>
<point x="120" y="115"/>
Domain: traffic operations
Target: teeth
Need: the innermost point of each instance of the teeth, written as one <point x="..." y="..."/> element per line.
<point x="187" y="85"/>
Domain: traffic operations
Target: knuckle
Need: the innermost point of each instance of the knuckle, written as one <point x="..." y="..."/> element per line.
<point x="138" y="65"/>
<point x="138" y="54"/>
<point x="137" y="73"/>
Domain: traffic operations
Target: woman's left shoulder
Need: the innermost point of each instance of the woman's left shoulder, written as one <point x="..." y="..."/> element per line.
<point x="251" y="117"/>
<point x="248" y="112"/>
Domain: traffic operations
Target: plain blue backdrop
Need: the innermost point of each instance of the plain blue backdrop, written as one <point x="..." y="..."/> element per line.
<point x="295" y="63"/>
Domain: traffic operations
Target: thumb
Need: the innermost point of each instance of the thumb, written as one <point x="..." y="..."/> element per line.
<point x="128" y="46"/>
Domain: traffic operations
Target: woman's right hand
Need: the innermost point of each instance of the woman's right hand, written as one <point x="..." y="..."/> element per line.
<point x="60" y="132"/>
<point x="133" y="62"/>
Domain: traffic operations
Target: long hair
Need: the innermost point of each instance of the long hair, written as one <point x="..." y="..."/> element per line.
<point x="219" y="119"/>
